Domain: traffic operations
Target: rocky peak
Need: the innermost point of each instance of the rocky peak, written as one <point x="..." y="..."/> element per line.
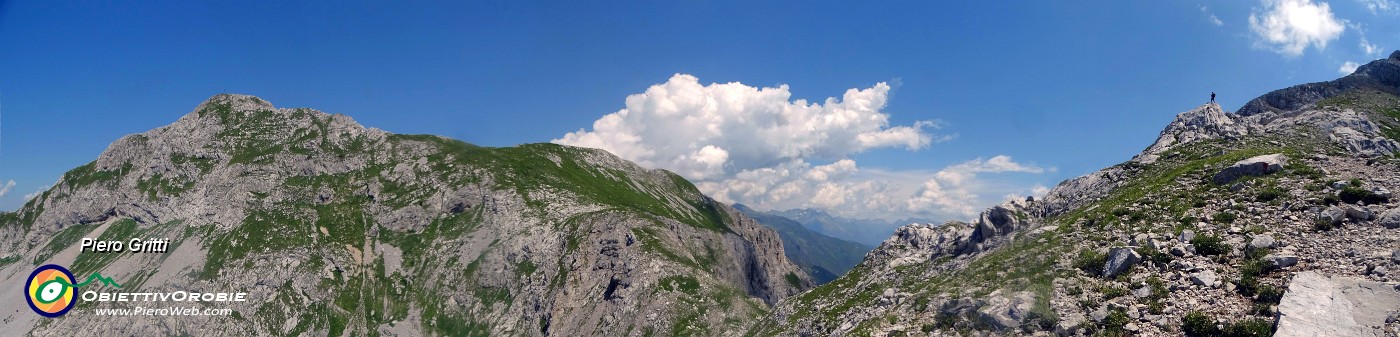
<point x="1207" y="121"/>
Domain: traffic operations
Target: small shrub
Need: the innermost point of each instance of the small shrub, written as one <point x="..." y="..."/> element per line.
<point x="1037" y="321"/>
<point x="1247" y="284"/>
<point x="1196" y="323"/>
<point x="1154" y="256"/>
<point x="1159" y="287"/>
<point x="1088" y="302"/>
<point x="1115" y="321"/>
<point x="1156" y="307"/>
<point x="1262" y="309"/>
<point x="1090" y="262"/>
<point x="1270" y="194"/>
<point x="921" y="303"/>
<point x="1223" y="218"/>
<point x="1111" y="292"/>
<point x="1251" y="327"/>
<point x="1269" y="294"/>
<point x="1322" y="225"/>
<point x="1307" y="171"/>
<point x="1330" y="200"/>
<point x="1352" y="195"/>
<point x="1187" y="220"/>
<point x="1209" y="245"/>
<point x="1253" y="267"/>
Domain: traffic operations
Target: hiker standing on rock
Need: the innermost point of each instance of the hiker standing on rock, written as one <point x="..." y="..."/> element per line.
<point x="1212" y="96"/>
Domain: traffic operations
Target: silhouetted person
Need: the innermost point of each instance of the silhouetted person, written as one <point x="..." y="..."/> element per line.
<point x="1212" y="96"/>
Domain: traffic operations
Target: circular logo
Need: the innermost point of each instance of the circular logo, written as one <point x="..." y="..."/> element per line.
<point x="50" y="290"/>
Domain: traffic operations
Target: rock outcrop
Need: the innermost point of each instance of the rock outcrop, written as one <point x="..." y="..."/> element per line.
<point x="1317" y="305"/>
<point x="1254" y="166"/>
<point x="1205" y="122"/>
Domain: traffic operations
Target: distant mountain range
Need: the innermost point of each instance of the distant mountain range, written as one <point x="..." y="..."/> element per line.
<point x="824" y="257"/>
<point x="865" y="231"/>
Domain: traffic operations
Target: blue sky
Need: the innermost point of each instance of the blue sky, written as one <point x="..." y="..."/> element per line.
<point x="1000" y="98"/>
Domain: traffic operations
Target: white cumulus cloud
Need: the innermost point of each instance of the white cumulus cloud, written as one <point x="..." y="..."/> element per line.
<point x="1348" y="67"/>
<point x="6" y="188"/>
<point x="761" y="147"/>
<point x="708" y="131"/>
<point x="1290" y="26"/>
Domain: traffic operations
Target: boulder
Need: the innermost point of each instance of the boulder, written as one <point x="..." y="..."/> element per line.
<point x="1391" y="218"/>
<point x="1360" y="213"/>
<point x="1069" y="325"/>
<point x="1205" y="278"/>
<point x="1186" y="236"/>
<point x="1333" y="215"/>
<point x="1002" y="313"/>
<point x="1316" y="305"/>
<point x="1254" y="166"/>
<point x="1178" y="251"/>
<point x="1142" y="292"/>
<point x="1281" y="261"/>
<point x="1382" y="192"/>
<point x="1262" y="242"/>
<point x="1120" y="259"/>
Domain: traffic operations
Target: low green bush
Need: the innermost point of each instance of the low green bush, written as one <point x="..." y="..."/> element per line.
<point x="1223" y="218"/>
<point x="1210" y="245"/>
<point x="1250" y="327"/>
<point x="1197" y="324"/>
<point x="1090" y="262"/>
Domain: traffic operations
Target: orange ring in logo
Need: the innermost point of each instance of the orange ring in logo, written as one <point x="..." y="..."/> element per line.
<point x="50" y="290"/>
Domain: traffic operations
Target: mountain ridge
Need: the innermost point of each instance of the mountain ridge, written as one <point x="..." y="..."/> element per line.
<point x="1151" y="246"/>
<point x="335" y="229"/>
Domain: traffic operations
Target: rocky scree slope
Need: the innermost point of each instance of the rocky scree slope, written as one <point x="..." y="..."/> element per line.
<point x="1208" y="232"/>
<point x="336" y="229"/>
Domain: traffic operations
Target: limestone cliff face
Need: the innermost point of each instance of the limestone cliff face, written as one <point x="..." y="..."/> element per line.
<point x="337" y="229"/>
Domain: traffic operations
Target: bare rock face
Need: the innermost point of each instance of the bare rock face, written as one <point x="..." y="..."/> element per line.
<point x="1254" y="166"/>
<point x="1316" y="305"/>
<point x="1208" y="121"/>
<point x="337" y="229"/>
